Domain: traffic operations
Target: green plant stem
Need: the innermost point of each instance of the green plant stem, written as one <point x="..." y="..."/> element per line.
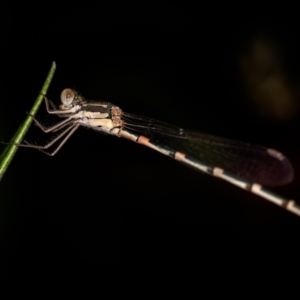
<point x="11" y="149"/>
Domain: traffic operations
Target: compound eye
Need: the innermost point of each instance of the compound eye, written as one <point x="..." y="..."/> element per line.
<point x="67" y="96"/>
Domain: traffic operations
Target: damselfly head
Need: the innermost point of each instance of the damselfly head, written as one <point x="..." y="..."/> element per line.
<point x="68" y="98"/>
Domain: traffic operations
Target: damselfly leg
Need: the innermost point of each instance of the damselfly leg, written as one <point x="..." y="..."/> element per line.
<point x="70" y="121"/>
<point x="55" y="127"/>
<point x="68" y="132"/>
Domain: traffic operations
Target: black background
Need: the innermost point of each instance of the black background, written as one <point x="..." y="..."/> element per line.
<point x="107" y="207"/>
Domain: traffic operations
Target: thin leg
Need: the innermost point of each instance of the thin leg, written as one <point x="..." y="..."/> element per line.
<point x="53" y="141"/>
<point x="27" y="145"/>
<point x="53" y="128"/>
<point x="52" y="105"/>
<point x="55" y="111"/>
<point x="74" y="128"/>
<point x="63" y="126"/>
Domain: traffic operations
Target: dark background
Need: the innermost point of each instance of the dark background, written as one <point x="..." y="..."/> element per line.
<point x="107" y="207"/>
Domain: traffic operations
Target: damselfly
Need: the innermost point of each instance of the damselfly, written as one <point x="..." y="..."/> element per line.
<point x="248" y="166"/>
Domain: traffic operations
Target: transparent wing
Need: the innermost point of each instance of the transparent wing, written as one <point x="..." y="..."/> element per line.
<point x="253" y="163"/>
